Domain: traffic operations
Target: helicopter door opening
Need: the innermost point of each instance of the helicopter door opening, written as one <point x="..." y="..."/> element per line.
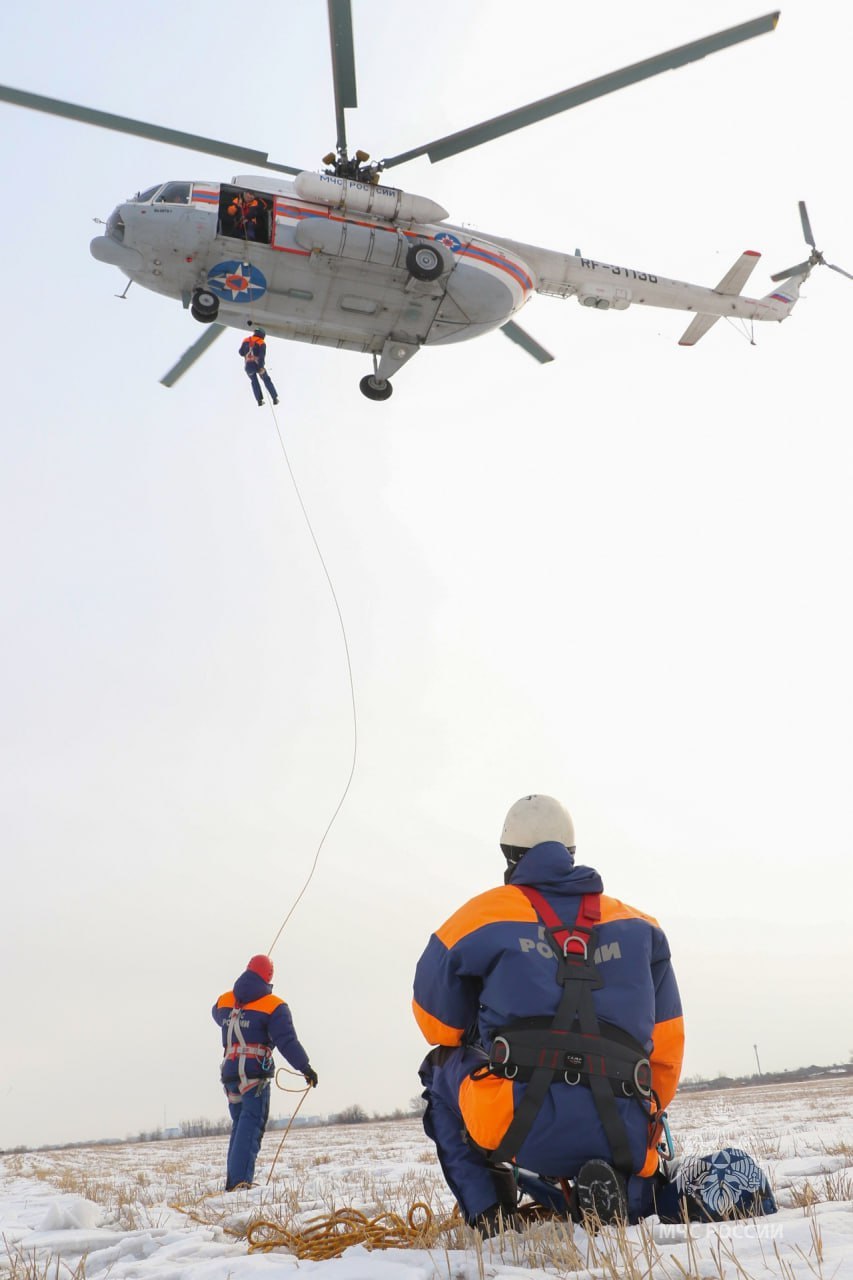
<point x="245" y="215"/>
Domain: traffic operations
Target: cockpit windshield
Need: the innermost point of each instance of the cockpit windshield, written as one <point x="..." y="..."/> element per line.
<point x="143" y="197"/>
<point x="174" y="193"/>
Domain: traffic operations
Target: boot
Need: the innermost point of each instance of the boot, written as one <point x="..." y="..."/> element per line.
<point x="602" y="1194"/>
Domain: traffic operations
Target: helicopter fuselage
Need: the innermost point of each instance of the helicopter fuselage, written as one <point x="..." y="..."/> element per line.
<point x="313" y="272"/>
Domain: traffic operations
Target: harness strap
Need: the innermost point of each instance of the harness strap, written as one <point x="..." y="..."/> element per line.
<point x="247" y="1051"/>
<point x="236" y="1095"/>
<point x="579" y="978"/>
<point x="588" y="917"/>
<point x="237" y="1048"/>
<point x="519" y="1047"/>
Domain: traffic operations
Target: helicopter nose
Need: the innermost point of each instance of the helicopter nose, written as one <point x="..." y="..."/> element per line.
<point x="106" y="249"/>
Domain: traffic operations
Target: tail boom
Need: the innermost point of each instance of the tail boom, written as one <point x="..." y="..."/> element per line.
<point x="606" y="285"/>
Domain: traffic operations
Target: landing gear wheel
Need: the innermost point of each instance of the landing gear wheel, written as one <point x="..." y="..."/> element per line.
<point x="375" y="389"/>
<point x="204" y="306"/>
<point x="424" y="262"/>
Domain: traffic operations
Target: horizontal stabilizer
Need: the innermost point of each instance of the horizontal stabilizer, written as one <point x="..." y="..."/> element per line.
<point x="697" y="329"/>
<point x="732" y="282"/>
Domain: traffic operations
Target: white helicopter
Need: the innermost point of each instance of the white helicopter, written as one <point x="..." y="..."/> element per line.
<point x="339" y="259"/>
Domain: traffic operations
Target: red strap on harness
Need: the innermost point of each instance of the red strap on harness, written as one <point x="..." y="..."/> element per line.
<point x="573" y="940"/>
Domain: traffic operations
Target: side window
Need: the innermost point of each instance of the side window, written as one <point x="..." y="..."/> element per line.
<point x="174" y="193"/>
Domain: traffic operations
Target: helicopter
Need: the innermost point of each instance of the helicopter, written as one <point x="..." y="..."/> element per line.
<point x="338" y="258"/>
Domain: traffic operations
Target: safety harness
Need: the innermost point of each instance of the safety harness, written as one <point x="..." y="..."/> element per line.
<point x="252" y="355"/>
<point x="237" y="1048"/>
<point x="574" y="1047"/>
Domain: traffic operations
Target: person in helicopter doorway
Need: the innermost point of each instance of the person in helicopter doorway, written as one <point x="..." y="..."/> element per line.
<point x="559" y="1034"/>
<point x="254" y="351"/>
<point x="244" y="213"/>
<point x="253" y="1021"/>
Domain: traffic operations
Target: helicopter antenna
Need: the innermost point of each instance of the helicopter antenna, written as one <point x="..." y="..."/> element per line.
<point x="815" y="258"/>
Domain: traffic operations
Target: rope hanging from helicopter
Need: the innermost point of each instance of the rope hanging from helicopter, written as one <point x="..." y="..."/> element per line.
<point x="336" y="602"/>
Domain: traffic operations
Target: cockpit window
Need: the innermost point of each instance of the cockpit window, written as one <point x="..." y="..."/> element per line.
<point x="175" y="193"/>
<point x="142" y="197"/>
<point x="115" y="225"/>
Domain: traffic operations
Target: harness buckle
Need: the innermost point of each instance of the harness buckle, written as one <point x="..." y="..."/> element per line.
<point x="643" y="1077"/>
<point x="576" y="1080"/>
<point x="584" y="949"/>
<point x="499" y="1056"/>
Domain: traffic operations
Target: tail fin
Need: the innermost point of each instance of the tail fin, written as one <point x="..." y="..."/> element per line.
<point x="732" y="282"/>
<point x="785" y="295"/>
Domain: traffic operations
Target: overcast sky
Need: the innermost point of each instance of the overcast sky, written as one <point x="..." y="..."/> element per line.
<point x="622" y="579"/>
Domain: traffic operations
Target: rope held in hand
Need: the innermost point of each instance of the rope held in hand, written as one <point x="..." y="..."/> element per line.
<point x="285" y="1089"/>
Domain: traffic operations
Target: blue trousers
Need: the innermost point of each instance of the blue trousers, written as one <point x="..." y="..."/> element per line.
<point x="254" y="374"/>
<point x="248" y="1121"/>
<point x="464" y="1167"/>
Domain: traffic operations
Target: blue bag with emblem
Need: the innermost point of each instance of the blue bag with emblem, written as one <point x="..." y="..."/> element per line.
<point x="713" y="1188"/>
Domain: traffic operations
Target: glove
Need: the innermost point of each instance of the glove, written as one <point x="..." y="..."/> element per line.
<point x="310" y="1076"/>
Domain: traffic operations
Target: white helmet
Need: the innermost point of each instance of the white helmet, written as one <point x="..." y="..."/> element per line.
<point x="533" y="819"/>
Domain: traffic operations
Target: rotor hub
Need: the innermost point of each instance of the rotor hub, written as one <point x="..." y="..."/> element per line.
<point x="356" y="169"/>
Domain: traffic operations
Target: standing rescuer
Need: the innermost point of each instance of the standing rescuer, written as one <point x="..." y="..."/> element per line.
<point x="559" y="1026"/>
<point x="253" y="1022"/>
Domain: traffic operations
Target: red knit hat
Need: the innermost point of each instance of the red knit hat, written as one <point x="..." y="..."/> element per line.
<point x="262" y="966"/>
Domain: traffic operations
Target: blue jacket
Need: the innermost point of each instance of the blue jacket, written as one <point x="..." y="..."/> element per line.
<point x="490" y="965"/>
<point x="264" y="1021"/>
<point x="254" y="352"/>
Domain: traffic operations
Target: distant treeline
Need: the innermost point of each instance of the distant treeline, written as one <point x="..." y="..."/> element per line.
<point x="692" y="1084"/>
<point x="204" y="1128"/>
<point x="356" y="1114"/>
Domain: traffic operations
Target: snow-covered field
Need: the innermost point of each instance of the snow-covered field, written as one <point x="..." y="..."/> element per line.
<point x="155" y="1211"/>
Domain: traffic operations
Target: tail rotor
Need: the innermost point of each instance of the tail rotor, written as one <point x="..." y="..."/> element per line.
<point x="815" y="258"/>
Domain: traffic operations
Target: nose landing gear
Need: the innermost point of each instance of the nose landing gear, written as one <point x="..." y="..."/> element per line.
<point x="204" y="306"/>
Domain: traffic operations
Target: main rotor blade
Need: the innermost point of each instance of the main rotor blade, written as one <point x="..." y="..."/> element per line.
<point x="139" y="128"/>
<point x="343" y="64"/>
<point x="807" y="226"/>
<point x="791" y="271"/>
<point x="516" y="334"/>
<point x="192" y="354"/>
<point x="841" y="270"/>
<point x="453" y="143"/>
